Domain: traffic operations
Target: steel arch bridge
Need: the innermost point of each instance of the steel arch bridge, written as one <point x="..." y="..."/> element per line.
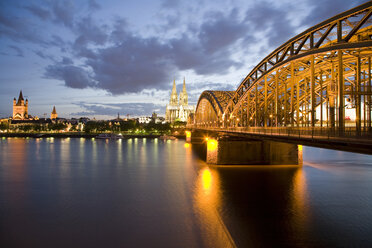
<point x="318" y="80"/>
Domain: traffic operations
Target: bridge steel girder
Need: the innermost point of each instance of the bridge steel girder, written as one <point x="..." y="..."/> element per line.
<point x="210" y="107"/>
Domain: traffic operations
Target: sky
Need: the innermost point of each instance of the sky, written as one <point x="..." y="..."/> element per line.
<point x="97" y="58"/>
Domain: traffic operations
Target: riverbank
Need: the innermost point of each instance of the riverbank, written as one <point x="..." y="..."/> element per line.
<point x="75" y="135"/>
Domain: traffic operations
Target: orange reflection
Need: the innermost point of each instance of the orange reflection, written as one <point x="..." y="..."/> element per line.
<point x="300" y="201"/>
<point x="207" y="201"/>
<point x="207" y="179"/>
<point x="16" y="152"/>
<point x="187" y="145"/>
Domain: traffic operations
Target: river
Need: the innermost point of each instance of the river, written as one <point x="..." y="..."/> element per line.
<point x="77" y="192"/>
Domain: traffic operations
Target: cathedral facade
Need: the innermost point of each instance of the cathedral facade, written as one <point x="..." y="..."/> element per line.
<point x="20" y="108"/>
<point x="178" y="107"/>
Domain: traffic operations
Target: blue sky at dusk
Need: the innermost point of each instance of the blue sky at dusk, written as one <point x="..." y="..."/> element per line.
<point x="97" y="58"/>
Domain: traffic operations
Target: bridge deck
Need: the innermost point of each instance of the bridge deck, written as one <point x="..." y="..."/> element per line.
<point x="349" y="140"/>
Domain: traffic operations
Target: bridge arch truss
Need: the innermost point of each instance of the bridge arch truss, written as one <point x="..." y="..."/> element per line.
<point x="210" y="108"/>
<point x="319" y="78"/>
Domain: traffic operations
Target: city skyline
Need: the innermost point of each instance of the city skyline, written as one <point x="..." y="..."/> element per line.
<point x="95" y="58"/>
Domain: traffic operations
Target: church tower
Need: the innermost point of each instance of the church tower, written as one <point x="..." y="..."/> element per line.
<point x="178" y="109"/>
<point x="20" y="108"/>
<point x="54" y="114"/>
<point x="183" y="95"/>
<point x="174" y="96"/>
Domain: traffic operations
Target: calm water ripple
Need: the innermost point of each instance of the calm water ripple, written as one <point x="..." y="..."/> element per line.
<point x="151" y="193"/>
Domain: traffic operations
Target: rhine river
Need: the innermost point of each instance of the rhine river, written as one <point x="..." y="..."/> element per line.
<point x="149" y="193"/>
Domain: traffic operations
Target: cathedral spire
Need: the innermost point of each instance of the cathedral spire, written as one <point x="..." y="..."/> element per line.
<point x="183" y="94"/>
<point x="174" y="96"/>
<point x="184" y="86"/>
<point x="174" y="90"/>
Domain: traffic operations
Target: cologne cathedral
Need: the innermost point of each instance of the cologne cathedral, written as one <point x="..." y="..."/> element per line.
<point x="178" y="108"/>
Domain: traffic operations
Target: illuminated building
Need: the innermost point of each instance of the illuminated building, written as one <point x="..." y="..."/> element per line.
<point x="178" y="108"/>
<point x="54" y="114"/>
<point x="20" y="108"/>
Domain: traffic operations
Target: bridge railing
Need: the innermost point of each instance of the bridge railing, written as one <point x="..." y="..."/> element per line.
<point x="320" y="133"/>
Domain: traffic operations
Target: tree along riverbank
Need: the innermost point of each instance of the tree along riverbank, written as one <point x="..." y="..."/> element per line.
<point x="76" y="135"/>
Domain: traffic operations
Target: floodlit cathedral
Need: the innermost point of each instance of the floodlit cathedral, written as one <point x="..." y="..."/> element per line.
<point x="178" y="109"/>
<point x="20" y="108"/>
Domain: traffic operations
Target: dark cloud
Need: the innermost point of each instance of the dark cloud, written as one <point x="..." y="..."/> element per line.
<point x="274" y="21"/>
<point x="43" y="55"/>
<point x="40" y="12"/>
<point x="18" y="50"/>
<point x="211" y="52"/>
<point x="119" y="31"/>
<point x="73" y="76"/>
<point x="132" y="66"/>
<point x="93" y="5"/>
<point x="132" y="63"/>
<point x="113" y="109"/>
<point x="63" y="11"/>
<point x="220" y="31"/>
<point x="17" y="29"/>
<point x="119" y="60"/>
<point x="170" y="4"/>
<point x="327" y="9"/>
<point x="89" y="33"/>
<point x="67" y="61"/>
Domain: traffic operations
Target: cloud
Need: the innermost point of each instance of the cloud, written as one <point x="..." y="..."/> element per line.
<point x="327" y="9"/>
<point x="272" y="20"/>
<point x="89" y="33"/>
<point x="126" y="62"/>
<point x="220" y="31"/>
<point x="63" y="12"/>
<point x="17" y="49"/>
<point x="16" y="29"/>
<point x="93" y="5"/>
<point x="92" y="109"/>
<point x="73" y="76"/>
<point x="43" y="55"/>
<point x="114" y="57"/>
<point x="132" y="66"/>
<point x="198" y="86"/>
<point x="40" y="12"/>
<point x="170" y="4"/>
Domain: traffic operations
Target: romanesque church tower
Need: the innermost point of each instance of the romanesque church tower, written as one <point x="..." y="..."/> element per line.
<point x="54" y="114"/>
<point x="20" y="108"/>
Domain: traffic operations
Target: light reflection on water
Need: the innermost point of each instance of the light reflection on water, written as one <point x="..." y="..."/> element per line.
<point x="149" y="192"/>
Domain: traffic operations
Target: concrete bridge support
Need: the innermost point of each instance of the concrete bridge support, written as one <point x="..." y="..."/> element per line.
<point x="240" y="152"/>
<point x="226" y="150"/>
<point x="234" y="152"/>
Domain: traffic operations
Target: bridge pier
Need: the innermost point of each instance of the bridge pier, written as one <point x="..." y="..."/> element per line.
<point x="234" y="152"/>
<point x="226" y="150"/>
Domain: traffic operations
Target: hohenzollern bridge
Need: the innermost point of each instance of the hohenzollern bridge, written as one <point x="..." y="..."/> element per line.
<point x="315" y="89"/>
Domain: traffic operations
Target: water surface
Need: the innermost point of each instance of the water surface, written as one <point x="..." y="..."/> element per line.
<point x="151" y="193"/>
